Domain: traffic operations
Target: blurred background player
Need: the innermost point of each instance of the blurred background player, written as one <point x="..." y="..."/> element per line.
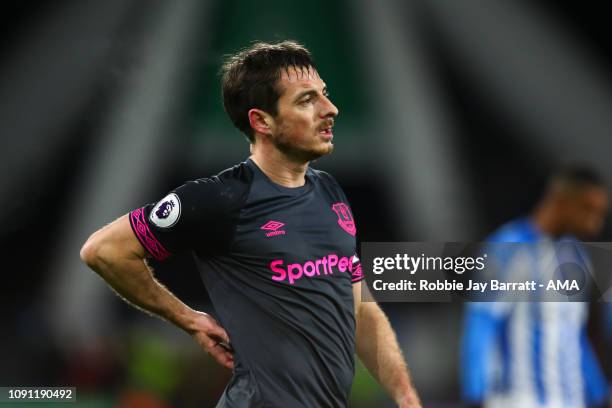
<point x="537" y="354"/>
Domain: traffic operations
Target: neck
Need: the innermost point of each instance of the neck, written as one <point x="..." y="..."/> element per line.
<point x="545" y="219"/>
<point x="277" y="166"/>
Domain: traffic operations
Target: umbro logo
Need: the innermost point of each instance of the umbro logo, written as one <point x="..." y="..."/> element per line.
<point x="273" y="228"/>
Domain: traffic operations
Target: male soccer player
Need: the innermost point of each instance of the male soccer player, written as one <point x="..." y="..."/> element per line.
<point x="274" y="241"/>
<point x="537" y="354"/>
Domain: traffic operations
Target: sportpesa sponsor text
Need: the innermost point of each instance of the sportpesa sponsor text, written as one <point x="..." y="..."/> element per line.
<point x="325" y="265"/>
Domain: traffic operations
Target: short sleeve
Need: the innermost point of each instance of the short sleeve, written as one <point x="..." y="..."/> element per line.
<point x="356" y="273"/>
<point x="346" y="221"/>
<point x="199" y="214"/>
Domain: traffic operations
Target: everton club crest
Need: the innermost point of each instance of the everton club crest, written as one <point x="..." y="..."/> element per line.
<point x="345" y="218"/>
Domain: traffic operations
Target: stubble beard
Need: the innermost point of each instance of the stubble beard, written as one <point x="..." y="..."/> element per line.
<point x="299" y="153"/>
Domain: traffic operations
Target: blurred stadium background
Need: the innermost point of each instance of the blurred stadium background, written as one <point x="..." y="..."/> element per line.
<point x="452" y="115"/>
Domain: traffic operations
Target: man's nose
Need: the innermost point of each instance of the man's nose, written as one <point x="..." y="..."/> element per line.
<point x="329" y="109"/>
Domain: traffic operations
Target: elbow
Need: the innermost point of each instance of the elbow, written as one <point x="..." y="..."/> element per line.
<point x="90" y="252"/>
<point x="109" y="246"/>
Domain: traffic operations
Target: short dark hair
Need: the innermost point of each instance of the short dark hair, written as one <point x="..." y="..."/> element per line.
<point x="250" y="79"/>
<point x="575" y="176"/>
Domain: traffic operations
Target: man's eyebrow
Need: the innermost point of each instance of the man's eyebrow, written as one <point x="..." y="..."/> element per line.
<point x="309" y="92"/>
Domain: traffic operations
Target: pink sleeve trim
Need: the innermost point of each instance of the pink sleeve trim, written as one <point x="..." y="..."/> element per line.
<point x="146" y="237"/>
<point x="357" y="274"/>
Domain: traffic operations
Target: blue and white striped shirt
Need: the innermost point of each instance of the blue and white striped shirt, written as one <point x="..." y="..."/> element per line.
<point x="529" y="354"/>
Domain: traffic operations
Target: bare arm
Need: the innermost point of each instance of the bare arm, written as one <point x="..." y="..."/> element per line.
<point x="378" y="350"/>
<point x="117" y="256"/>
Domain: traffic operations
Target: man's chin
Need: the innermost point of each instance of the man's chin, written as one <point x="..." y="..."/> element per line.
<point x="307" y="155"/>
<point x="323" y="151"/>
<point x="329" y="147"/>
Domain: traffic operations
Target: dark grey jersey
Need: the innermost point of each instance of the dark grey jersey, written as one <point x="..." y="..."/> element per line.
<point x="279" y="265"/>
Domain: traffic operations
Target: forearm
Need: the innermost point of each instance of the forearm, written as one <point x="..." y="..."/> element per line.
<point x="379" y="351"/>
<point x="127" y="273"/>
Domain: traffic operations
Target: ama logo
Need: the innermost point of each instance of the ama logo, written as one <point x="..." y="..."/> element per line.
<point x="166" y="212"/>
<point x="345" y="218"/>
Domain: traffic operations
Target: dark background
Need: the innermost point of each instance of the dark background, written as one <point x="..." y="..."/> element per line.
<point x="453" y="114"/>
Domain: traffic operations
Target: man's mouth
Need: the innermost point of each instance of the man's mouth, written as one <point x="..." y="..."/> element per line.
<point x="326" y="131"/>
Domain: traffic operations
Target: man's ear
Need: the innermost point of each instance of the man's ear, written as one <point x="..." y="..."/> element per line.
<point x="260" y="121"/>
